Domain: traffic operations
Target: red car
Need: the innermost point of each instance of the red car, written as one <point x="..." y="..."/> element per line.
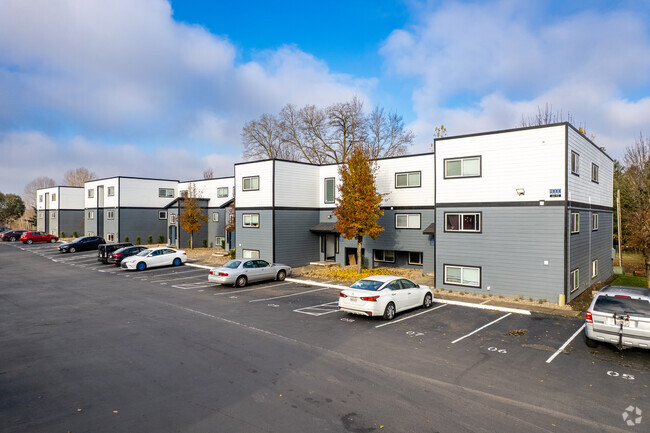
<point x="31" y="237"/>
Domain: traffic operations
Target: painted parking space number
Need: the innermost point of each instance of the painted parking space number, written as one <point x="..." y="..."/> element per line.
<point x="496" y="349"/>
<point x="621" y="375"/>
<point x="414" y="334"/>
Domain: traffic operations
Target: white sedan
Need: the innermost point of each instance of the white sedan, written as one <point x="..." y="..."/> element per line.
<point x="152" y="257"/>
<point x="384" y="295"/>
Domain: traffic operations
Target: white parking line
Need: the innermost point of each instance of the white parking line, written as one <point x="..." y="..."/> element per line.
<point x="292" y="294"/>
<point x="566" y="343"/>
<point x="249" y="290"/>
<point x="482" y="327"/>
<point x="320" y="310"/>
<point x="483" y="307"/>
<point x="315" y="283"/>
<point x="406" y="318"/>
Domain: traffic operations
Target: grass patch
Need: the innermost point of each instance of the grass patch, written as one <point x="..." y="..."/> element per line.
<point x="631" y="258"/>
<point x="630" y="280"/>
<point x="349" y="273"/>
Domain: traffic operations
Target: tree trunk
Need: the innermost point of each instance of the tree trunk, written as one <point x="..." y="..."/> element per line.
<point x="192" y="240"/>
<point x="647" y="270"/>
<point x="359" y="241"/>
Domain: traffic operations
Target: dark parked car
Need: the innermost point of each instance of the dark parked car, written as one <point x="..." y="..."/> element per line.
<point x="12" y="235"/>
<point x="121" y="254"/>
<point x="84" y="243"/>
<point x="105" y="250"/>
<point x="31" y="237"/>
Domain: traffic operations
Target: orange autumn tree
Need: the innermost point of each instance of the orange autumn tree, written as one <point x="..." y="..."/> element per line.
<point x="358" y="202"/>
<point x="191" y="218"/>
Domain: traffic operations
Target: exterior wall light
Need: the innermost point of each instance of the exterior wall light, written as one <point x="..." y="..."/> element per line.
<point x="521" y="191"/>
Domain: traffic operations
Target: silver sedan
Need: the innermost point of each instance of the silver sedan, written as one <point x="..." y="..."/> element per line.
<point x="239" y="272"/>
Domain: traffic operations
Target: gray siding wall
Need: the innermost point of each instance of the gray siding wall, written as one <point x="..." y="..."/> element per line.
<point x="40" y="220"/>
<point x="216" y="229"/>
<point x="589" y="245"/>
<point x="511" y="251"/>
<point x="143" y="222"/>
<point x="71" y="221"/>
<point x="111" y="226"/>
<point x="295" y="245"/>
<point x="260" y="238"/>
<point x="90" y="225"/>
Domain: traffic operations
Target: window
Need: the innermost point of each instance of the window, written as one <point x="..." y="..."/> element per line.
<point x="385" y="256"/>
<point x="53" y="197"/>
<point x="53" y="215"/>
<point x="110" y="191"/>
<point x="329" y="190"/>
<point x="162" y="214"/>
<point x="172" y="218"/>
<point x="91" y="193"/>
<point x="575" y="279"/>
<point x="222" y="191"/>
<point x="91" y="215"/>
<point x="41" y="214"/>
<point x="575" y="163"/>
<point x="462" y="222"/>
<point x="251" y="220"/>
<point x="250" y="254"/>
<point x="594" y="172"/>
<point x="110" y="214"/>
<point x="594" y="221"/>
<point x="215" y="217"/>
<point x="220" y="242"/>
<point x="40" y="199"/>
<point x="407" y="221"/>
<point x="594" y="268"/>
<point x="462" y="276"/>
<point x="575" y="222"/>
<point x="110" y="237"/>
<point x="90" y="233"/>
<point x="463" y="167"/>
<point x="251" y="183"/>
<point x="165" y="192"/>
<point x="415" y="258"/>
<point x="407" y="180"/>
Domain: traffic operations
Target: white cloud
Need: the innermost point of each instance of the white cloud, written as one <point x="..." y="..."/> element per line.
<point x="481" y="66"/>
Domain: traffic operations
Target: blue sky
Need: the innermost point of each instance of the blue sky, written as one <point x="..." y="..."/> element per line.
<point x="157" y="89"/>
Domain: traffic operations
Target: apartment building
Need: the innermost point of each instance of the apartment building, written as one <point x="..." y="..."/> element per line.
<point x="523" y="212"/>
<point x="60" y="210"/>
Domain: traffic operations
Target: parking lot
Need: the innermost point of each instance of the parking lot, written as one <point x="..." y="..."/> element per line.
<point x="466" y="350"/>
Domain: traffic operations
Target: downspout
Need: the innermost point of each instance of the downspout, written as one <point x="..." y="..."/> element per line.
<point x="273" y="212"/>
<point x="567" y="236"/>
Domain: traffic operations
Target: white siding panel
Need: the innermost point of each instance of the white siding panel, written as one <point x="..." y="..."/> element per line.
<point x="422" y="196"/>
<point x="47" y="204"/>
<point x="296" y="185"/>
<point x="532" y="159"/>
<point x="110" y="201"/>
<point x="144" y="192"/>
<point x="581" y="188"/>
<point x="207" y="188"/>
<point x="325" y="172"/>
<point x="260" y="198"/>
<point x="71" y="198"/>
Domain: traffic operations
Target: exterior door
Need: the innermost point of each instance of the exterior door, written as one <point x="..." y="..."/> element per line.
<point x="46" y="214"/>
<point x="172" y="235"/>
<point x="330" y="248"/>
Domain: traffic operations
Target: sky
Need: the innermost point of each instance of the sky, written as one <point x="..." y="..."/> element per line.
<point x="153" y="88"/>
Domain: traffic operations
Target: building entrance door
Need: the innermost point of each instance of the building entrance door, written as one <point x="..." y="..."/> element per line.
<point x="330" y="248"/>
<point x="172" y="235"/>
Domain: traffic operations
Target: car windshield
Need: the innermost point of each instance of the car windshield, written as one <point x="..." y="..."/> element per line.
<point x="143" y="253"/>
<point x="367" y="285"/>
<point x="233" y="264"/>
<point x="618" y="305"/>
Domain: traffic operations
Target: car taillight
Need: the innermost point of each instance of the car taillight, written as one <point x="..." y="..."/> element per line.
<point x="623" y="296"/>
<point x="370" y="298"/>
<point x="343" y="295"/>
<point x="223" y="274"/>
<point x="589" y="318"/>
<point x="116" y="255"/>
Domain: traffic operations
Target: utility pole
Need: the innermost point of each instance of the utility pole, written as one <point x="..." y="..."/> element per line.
<point x="618" y="218"/>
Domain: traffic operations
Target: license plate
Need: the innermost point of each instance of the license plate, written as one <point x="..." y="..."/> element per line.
<point x="353" y="299"/>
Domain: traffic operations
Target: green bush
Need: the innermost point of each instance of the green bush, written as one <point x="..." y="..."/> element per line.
<point x="205" y="243"/>
<point x="138" y="241"/>
<point x="223" y="244"/>
<point x="150" y="240"/>
<point x="75" y="235"/>
<point x="161" y="239"/>
<point x="232" y="254"/>
<point x="62" y="234"/>
<point x="126" y="239"/>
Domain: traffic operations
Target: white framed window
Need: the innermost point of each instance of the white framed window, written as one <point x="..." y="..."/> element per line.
<point x="162" y="214"/>
<point x="407" y="221"/>
<point x="53" y="215"/>
<point x="575" y="163"/>
<point x="220" y="240"/>
<point x="91" y="193"/>
<point x="215" y="217"/>
<point x="110" y="214"/>
<point x="183" y="193"/>
<point x="463" y="167"/>
<point x="575" y="222"/>
<point x="250" y="254"/>
<point x="594" y="268"/>
<point x="166" y="192"/>
<point x="575" y="279"/>
<point x="251" y="183"/>
<point x="172" y="218"/>
<point x="110" y="191"/>
<point x="594" y="221"/>
<point x="463" y="275"/>
<point x="594" y="172"/>
<point x="415" y="258"/>
<point x="384" y="256"/>
<point x="251" y="220"/>
<point x="91" y="215"/>
<point x="222" y="191"/>
<point x="329" y="190"/>
<point x="408" y="180"/>
<point x="110" y="237"/>
<point x="41" y="214"/>
<point x="54" y="197"/>
<point x="90" y="233"/>
<point x="463" y="222"/>
<point x="40" y="198"/>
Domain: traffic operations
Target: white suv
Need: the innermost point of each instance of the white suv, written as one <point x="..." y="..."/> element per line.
<point x="619" y="315"/>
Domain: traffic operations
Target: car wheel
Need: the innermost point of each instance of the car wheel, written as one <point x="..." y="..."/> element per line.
<point x="141" y="266"/>
<point x="52" y="240"/>
<point x="12" y="239"/>
<point x="177" y="262"/>
<point x="72" y="249"/>
<point x="389" y="312"/>
<point x="281" y="275"/>
<point x="590" y="343"/>
<point x="428" y="300"/>
<point x="29" y="241"/>
<point x="241" y="281"/>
